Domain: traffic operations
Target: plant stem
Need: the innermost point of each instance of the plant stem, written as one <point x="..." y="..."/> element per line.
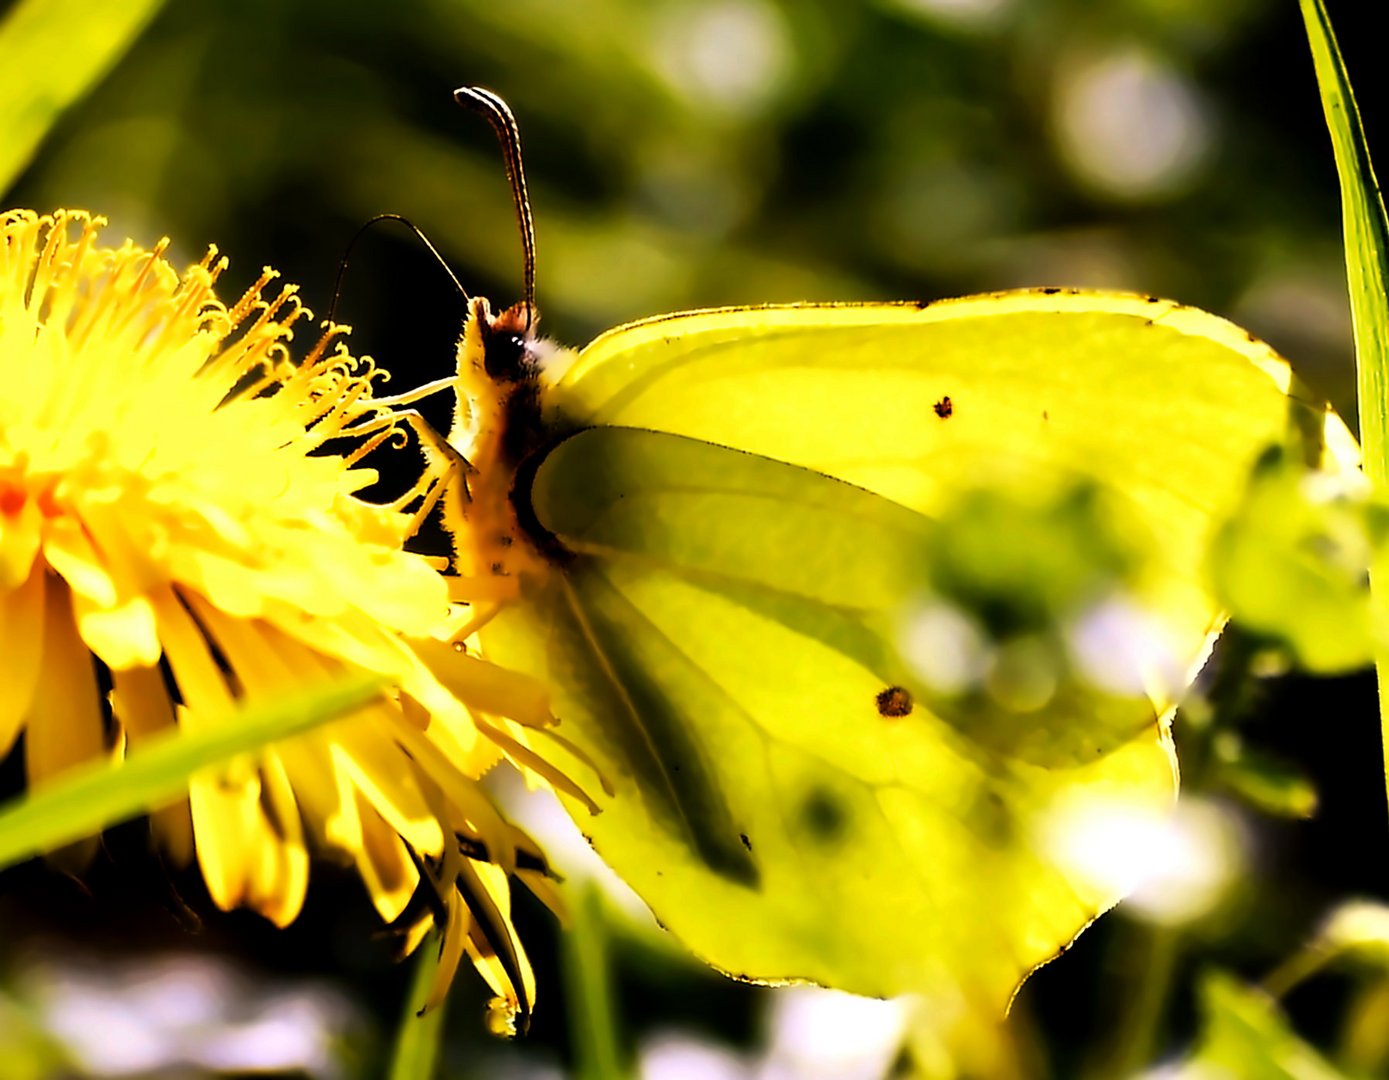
<point x="588" y="990"/>
<point x="416" y="1052"/>
<point x="1139" y="1030"/>
<point x="1300" y="965"/>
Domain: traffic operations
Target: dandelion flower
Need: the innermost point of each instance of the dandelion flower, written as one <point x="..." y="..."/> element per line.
<point x="180" y="533"/>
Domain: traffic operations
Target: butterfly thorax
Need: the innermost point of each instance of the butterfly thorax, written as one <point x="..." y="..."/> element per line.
<point x="498" y="424"/>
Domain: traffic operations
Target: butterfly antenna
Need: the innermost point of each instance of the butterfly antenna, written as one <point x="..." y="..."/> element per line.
<point x="420" y="236"/>
<point x="498" y="114"/>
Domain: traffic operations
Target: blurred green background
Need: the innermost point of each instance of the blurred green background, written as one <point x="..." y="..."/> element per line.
<point x="687" y="154"/>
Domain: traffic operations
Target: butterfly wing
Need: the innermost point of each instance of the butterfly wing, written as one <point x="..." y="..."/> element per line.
<point x="744" y="508"/>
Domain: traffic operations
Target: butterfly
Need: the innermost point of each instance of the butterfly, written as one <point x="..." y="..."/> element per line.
<point x="702" y="531"/>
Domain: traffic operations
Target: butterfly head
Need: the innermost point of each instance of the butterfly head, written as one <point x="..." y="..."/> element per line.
<point x="511" y="353"/>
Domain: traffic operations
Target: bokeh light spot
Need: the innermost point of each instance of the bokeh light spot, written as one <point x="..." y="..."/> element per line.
<point x="733" y="56"/>
<point x="823" y="1034"/>
<point x="967" y="14"/>
<point x="945" y="648"/>
<point x="1174" y="867"/>
<point x="1130" y="125"/>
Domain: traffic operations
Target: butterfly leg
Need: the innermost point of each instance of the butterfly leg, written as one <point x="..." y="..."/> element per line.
<point x="444" y="465"/>
<point x="445" y="469"/>
<point x="418" y="394"/>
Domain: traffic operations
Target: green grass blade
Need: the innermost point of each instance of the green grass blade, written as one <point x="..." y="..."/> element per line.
<point x="1367" y="276"/>
<point x="417" y="1040"/>
<point x="54" y="52"/>
<point x="1366" y="238"/>
<point x="98" y="795"/>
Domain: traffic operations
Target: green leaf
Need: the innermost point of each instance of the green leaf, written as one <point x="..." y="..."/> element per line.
<point x="1265" y="782"/>
<point x="91" y="798"/>
<point x="1244" y="1034"/>
<point x="55" y="51"/>
<point x="1293" y="564"/>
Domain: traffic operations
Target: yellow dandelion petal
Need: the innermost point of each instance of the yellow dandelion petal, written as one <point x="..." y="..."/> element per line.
<point x="470" y="884"/>
<point x="179" y="521"/>
<point x="67" y="548"/>
<point x="141" y="706"/>
<point x="21" y="630"/>
<point x="463" y="801"/>
<point x="385" y="864"/>
<point x="367" y="757"/>
<point x="72" y="730"/>
<point x="492" y="944"/>
<point x="268" y="663"/>
<point x="487" y="687"/>
<point x="280" y="879"/>
<point x="451" y="946"/>
<point x="21" y="529"/>
<point x="413" y="935"/>
<point x="122" y="634"/>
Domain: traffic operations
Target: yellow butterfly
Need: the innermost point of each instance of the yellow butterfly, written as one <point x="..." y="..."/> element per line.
<point x="701" y="531"/>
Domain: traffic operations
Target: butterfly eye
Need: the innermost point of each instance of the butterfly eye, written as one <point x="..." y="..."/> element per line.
<point x="506" y="358"/>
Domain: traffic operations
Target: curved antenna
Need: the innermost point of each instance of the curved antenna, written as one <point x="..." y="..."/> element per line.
<point x="347" y="255"/>
<point x="498" y="114"/>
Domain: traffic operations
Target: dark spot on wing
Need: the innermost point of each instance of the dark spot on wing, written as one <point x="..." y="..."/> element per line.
<point x="746" y="842"/>
<point x="1154" y="299"/>
<point x="1045" y="415"/>
<point x="922" y="305"/>
<point x="1050" y="291"/>
<point x="945" y="407"/>
<point x="823" y="816"/>
<point x="894" y="702"/>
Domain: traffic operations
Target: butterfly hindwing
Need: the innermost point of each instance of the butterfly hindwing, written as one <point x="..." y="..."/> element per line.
<point x="720" y="641"/>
